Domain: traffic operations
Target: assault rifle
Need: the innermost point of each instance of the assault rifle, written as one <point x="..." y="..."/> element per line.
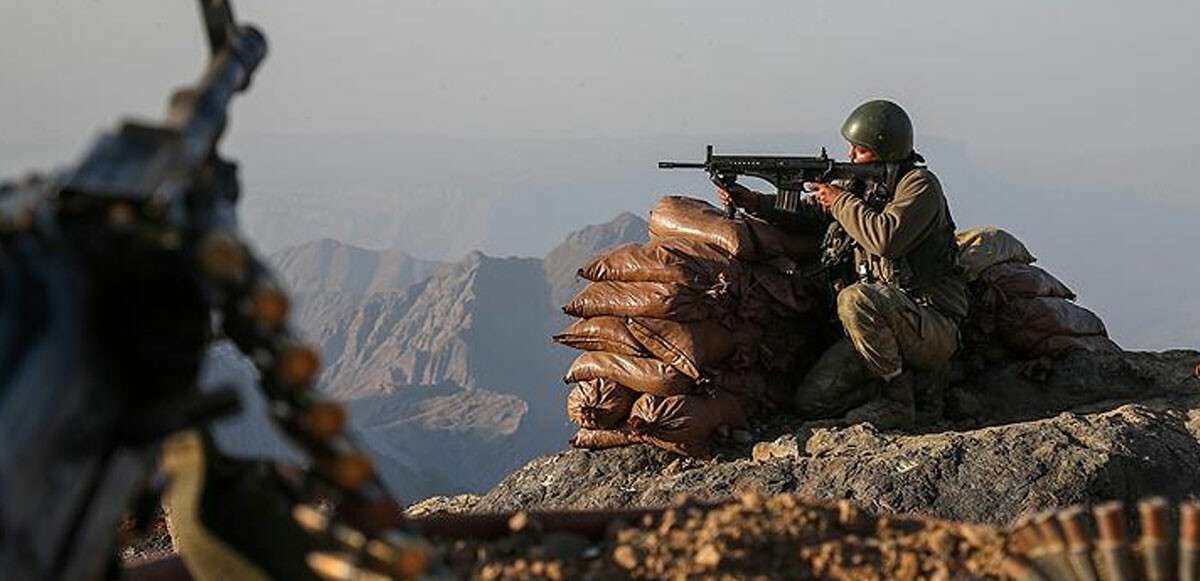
<point x="787" y="173"/>
<point x="115" y="275"/>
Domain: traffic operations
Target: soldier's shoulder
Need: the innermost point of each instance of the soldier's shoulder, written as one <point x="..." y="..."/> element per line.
<point x="919" y="179"/>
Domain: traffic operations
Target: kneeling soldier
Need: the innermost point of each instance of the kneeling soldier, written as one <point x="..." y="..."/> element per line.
<point x="901" y="304"/>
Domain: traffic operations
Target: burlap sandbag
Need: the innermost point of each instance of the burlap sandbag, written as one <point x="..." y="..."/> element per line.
<point x="644" y="374"/>
<point x="601" y="334"/>
<point x="599" y="404"/>
<point x="986" y="246"/>
<point x="1059" y="345"/>
<point x="676" y="260"/>
<point x="684" y="424"/>
<point x="1024" y="323"/>
<point x="744" y="237"/>
<point x="600" y="439"/>
<point x="688" y="347"/>
<point x="1018" y="280"/>
<point x="641" y="299"/>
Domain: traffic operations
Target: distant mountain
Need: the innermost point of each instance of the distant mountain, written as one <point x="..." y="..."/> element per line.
<point x="562" y="263"/>
<point x="448" y="368"/>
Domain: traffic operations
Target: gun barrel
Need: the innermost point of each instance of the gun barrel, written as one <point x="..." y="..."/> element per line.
<point x="682" y="165"/>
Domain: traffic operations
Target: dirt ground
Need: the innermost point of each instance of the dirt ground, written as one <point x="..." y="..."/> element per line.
<point x="780" y="537"/>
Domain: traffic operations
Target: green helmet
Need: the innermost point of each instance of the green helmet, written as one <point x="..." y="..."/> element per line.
<point x="881" y="126"/>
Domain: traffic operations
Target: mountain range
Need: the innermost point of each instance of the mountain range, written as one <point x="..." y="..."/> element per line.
<point x="447" y="367"/>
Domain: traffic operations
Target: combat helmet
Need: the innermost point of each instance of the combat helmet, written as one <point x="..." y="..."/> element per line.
<point x="881" y="126"/>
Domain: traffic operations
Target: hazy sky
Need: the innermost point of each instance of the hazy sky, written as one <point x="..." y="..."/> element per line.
<point x="1029" y="74"/>
<point x="1073" y="122"/>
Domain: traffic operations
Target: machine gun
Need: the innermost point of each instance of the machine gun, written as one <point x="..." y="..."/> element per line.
<point x="787" y="173"/>
<point x="115" y="276"/>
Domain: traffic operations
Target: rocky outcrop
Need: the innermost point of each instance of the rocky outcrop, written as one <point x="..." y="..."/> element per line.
<point x="1097" y="426"/>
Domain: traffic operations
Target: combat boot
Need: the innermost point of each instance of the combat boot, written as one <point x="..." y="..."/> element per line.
<point x="895" y="408"/>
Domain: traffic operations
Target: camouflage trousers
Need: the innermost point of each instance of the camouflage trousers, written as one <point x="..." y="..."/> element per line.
<point x="889" y="329"/>
<point x="886" y="332"/>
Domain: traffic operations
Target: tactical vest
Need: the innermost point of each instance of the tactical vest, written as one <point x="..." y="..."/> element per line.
<point x="934" y="258"/>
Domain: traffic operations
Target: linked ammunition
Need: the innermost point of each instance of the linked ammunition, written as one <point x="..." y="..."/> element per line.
<point x="1155" y="544"/>
<point x="1112" y="548"/>
<point x="1079" y="543"/>
<point x="298" y="365"/>
<point x="1053" y="547"/>
<point x="222" y="256"/>
<point x="1189" y="541"/>
<point x="349" y="471"/>
<point x="1027" y="541"/>
<point x="1018" y="568"/>
<point x="268" y="305"/>
<point x="322" y="420"/>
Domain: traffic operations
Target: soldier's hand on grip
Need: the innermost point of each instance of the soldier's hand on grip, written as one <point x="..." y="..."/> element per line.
<point x="738" y="195"/>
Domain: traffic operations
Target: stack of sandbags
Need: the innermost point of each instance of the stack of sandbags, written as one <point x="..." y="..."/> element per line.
<point x="1018" y="306"/>
<point x="686" y="333"/>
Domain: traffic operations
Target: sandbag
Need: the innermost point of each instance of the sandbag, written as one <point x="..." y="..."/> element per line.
<point x="641" y="299"/>
<point x="986" y="246"/>
<point x="688" y="347"/>
<point x="1059" y="345"/>
<point x="675" y="260"/>
<point x="599" y="404"/>
<point x="644" y="374"/>
<point x="1017" y="280"/>
<point x="600" y="439"/>
<point x="768" y="284"/>
<point x="684" y="424"/>
<point x="744" y="237"/>
<point x="601" y="334"/>
<point x="1024" y="323"/>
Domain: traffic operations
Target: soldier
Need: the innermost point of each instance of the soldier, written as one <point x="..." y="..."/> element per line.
<point x="901" y="302"/>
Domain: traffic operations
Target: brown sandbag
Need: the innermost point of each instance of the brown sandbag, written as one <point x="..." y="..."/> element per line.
<point x="688" y="347"/>
<point x="744" y="237"/>
<point x="986" y="246"/>
<point x="644" y="374"/>
<point x="675" y="260"/>
<point x="600" y="439"/>
<point x="1024" y="323"/>
<point x="684" y="424"/>
<point x="601" y="334"/>
<point x="1017" y="280"/>
<point x="767" y="284"/>
<point x="599" y="404"/>
<point x="641" y="299"/>
<point x="1059" y="345"/>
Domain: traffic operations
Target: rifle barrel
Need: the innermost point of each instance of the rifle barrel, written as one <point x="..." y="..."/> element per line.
<point x="682" y="165"/>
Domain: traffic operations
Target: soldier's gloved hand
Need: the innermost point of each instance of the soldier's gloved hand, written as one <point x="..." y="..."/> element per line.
<point x="738" y="195"/>
<point x="826" y="194"/>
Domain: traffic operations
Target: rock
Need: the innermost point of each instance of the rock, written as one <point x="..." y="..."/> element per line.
<point x="443" y="504"/>
<point x="783" y="447"/>
<point x="626" y="557"/>
<point x="1110" y="427"/>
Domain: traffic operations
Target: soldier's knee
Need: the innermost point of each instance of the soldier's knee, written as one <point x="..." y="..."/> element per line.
<point x="857" y="301"/>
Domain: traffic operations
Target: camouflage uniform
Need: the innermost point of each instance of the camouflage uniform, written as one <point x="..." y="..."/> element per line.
<point x="899" y="296"/>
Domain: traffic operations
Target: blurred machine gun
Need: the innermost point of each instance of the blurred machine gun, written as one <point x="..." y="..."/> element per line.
<point x="787" y="173"/>
<point x="115" y="275"/>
